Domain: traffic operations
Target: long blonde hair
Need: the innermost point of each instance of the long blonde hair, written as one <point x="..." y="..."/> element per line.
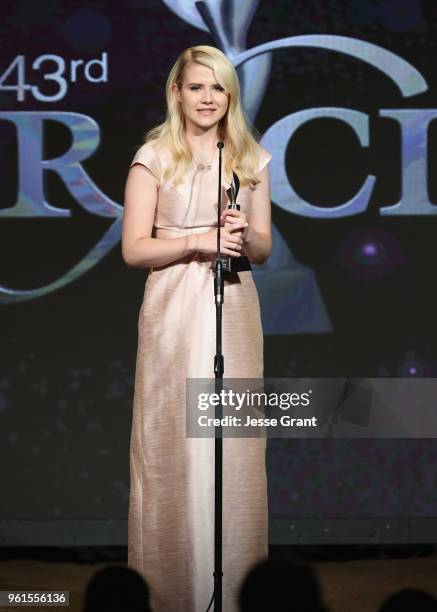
<point x="241" y="149"/>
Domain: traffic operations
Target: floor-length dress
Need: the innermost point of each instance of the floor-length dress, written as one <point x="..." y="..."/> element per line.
<point x="171" y="507"/>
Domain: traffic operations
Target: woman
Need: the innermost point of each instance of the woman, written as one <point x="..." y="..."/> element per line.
<point x="170" y="225"/>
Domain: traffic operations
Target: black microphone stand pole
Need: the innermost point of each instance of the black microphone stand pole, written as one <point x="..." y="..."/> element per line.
<point x="218" y="372"/>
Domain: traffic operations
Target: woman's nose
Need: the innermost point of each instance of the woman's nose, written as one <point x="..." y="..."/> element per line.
<point x="207" y="96"/>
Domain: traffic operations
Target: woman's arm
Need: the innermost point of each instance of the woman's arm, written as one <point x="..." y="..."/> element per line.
<point x="139" y="249"/>
<point x="257" y="238"/>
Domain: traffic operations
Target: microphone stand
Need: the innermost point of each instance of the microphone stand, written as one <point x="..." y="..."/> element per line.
<point x="218" y="372"/>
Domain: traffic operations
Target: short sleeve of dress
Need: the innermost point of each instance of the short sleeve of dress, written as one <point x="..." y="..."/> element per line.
<point x="264" y="158"/>
<point x="147" y="156"/>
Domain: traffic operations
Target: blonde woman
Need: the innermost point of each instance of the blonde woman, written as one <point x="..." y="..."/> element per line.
<point x="169" y="226"/>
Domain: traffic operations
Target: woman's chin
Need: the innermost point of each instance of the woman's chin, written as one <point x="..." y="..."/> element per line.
<point x="204" y="123"/>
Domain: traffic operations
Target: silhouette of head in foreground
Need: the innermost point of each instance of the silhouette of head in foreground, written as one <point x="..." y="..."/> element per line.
<point x="281" y="585"/>
<point x="409" y="600"/>
<point x="117" y="588"/>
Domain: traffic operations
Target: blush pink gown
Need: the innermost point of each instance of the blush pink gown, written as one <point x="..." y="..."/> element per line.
<point x="171" y="507"/>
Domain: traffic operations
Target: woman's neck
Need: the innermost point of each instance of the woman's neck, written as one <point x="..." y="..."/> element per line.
<point x="199" y="143"/>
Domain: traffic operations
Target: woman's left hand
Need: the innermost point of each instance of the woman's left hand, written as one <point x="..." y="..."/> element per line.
<point x="233" y="218"/>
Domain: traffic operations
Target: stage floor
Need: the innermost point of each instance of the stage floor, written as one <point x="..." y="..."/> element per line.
<point x="366" y="583"/>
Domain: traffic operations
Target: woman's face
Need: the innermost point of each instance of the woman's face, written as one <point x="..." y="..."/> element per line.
<point x="203" y="100"/>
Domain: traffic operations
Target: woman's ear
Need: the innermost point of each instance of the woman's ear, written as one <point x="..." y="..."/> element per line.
<point x="176" y="92"/>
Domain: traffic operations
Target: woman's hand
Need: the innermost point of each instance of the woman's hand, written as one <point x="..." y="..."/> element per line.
<point x="234" y="220"/>
<point x="231" y="240"/>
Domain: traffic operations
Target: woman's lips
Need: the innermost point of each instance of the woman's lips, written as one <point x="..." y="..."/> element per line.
<point x="206" y="111"/>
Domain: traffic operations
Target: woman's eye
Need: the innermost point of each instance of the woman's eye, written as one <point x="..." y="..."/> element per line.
<point x="197" y="87"/>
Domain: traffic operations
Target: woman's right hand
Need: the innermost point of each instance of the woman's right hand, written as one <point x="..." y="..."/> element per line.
<point x="231" y="243"/>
